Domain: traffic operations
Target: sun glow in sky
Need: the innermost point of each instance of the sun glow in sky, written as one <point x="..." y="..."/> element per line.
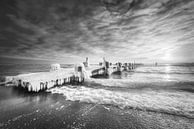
<point x="167" y="57"/>
<point x="70" y="30"/>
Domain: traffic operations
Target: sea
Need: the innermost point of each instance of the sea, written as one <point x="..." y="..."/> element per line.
<point x="150" y="96"/>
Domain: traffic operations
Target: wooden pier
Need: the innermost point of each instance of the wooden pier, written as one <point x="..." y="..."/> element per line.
<point x="36" y="82"/>
<point x="106" y="68"/>
<point x="57" y="76"/>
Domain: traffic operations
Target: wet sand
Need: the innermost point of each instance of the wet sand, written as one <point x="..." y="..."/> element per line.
<point x="51" y="111"/>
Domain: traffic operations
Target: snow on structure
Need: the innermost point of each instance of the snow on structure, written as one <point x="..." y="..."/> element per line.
<point x="55" y="67"/>
<point x="86" y="63"/>
<point x="45" y="80"/>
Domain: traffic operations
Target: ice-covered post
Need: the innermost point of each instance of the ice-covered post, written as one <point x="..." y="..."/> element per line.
<point x="106" y="65"/>
<point x="80" y="72"/>
<point x="86" y="63"/>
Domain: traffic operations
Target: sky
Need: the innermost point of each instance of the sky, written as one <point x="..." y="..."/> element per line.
<point x="67" y="31"/>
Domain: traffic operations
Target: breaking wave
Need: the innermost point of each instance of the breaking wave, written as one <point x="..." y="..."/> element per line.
<point x="158" y="101"/>
<point x="167" y="89"/>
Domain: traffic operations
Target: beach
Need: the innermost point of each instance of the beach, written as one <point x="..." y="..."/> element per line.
<point x="45" y="110"/>
<point x="96" y="64"/>
<point x="151" y="97"/>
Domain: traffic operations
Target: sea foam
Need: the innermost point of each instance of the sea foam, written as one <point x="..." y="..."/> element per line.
<point x="174" y="103"/>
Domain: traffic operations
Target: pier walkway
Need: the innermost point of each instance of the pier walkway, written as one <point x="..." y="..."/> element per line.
<point x="57" y="76"/>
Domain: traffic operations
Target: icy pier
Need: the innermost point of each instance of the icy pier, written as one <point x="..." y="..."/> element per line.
<point x="35" y="82"/>
<point x="57" y="76"/>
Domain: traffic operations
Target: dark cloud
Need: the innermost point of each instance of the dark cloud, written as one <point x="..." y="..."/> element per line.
<point x="57" y="29"/>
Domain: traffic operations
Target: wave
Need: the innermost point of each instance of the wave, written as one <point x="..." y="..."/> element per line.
<point x="155" y="72"/>
<point x="129" y="85"/>
<point x="160" y="101"/>
<point x="168" y="69"/>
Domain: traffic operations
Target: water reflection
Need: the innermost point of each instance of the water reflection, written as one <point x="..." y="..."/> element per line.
<point x="167" y="68"/>
<point x="167" y="76"/>
<point x="123" y="75"/>
<point x="11" y="94"/>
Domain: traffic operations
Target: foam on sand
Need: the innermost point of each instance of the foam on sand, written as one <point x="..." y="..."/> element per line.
<point x="160" y="101"/>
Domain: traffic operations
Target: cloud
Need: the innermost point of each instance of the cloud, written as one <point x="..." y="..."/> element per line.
<point x="122" y="29"/>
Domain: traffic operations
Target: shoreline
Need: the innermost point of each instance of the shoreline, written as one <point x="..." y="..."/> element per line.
<point x="52" y="110"/>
